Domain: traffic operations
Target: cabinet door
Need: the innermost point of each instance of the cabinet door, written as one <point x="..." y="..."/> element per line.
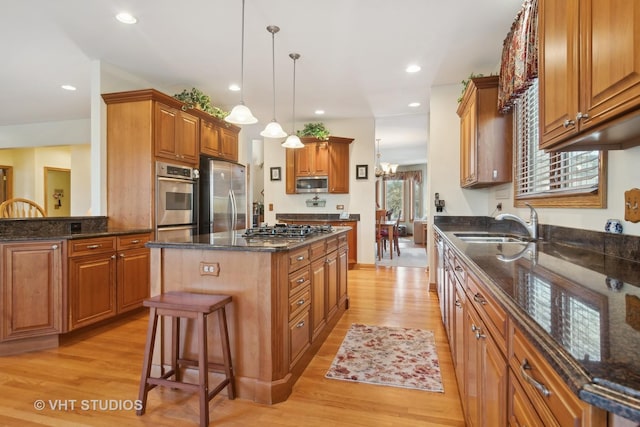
<point x="304" y="159"/>
<point x="331" y="268"/>
<point x="133" y="282"/>
<point x="31" y="297"/>
<point x="318" y="296"/>
<point x="343" y="267"/>
<point x="559" y="69"/>
<point x="165" y="122"/>
<point x="494" y="382"/>
<point x="92" y="289"/>
<point x="209" y="139"/>
<point x="468" y="161"/>
<point x="473" y="368"/>
<point x="320" y="158"/>
<point x="458" y="337"/>
<point x="229" y="144"/>
<point x="609" y="59"/>
<point x="338" y="167"/>
<point x="188" y="137"/>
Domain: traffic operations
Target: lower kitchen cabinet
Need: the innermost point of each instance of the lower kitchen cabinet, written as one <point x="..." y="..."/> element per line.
<point x="31" y="297"/>
<point x="318" y="311"/>
<point x="107" y="276"/>
<point x="352" y="235"/>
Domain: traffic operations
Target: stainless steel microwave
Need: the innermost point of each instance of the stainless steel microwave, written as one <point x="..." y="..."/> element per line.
<point x="312" y="184"/>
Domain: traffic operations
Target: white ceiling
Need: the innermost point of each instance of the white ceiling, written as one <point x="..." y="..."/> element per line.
<point x="353" y="56"/>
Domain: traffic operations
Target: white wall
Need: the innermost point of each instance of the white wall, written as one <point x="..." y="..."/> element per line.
<point x="361" y="197"/>
<point x="444" y="171"/>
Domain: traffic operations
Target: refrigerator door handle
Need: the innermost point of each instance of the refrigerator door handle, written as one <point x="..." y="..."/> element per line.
<point x="234" y="212"/>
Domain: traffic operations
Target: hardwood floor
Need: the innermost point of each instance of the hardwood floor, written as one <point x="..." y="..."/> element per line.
<point x="103" y="365"/>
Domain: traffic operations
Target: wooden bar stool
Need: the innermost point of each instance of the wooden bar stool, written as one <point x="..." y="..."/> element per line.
<point x="193" y="306"/>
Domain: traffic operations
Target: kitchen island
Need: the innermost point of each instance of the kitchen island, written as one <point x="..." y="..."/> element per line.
<point x="288" y="294"/>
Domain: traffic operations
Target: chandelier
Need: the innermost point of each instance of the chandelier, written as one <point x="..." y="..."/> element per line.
<point x="384" y="169"/>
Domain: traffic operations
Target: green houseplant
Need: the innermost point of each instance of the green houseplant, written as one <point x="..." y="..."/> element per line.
<point x="316" y="130"/>
<point x="196" y="99"/>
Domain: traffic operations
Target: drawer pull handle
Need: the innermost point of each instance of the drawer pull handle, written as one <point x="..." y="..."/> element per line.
<point x="479" y="299"/>
<point x="300" y="302"/>
<point x="474" y="328"/>
<point x="121" y="255"/>
<point x="135" y="242"/>
<point x="94" y="246"/>
<point x="458" y="303"/>
<point x="458" y="269"/>
<point x="541" y="387"/>
<point x="113" y="256"/>
<point x="568" y="123"/>
<point x="300" y="280"/>
<point x="54" y="247"/>
<point x="300" y="325"/>
<point x="480" y="334"/>
<point x="300" y="258"/>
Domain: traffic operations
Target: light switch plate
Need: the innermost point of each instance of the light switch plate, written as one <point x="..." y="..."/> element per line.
<point x="632" y="205"/>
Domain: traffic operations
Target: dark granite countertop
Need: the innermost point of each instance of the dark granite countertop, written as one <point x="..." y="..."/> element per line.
<point x="235" y="241"/>
<point x="580" y="308"/>
<point x="328" y="217"/>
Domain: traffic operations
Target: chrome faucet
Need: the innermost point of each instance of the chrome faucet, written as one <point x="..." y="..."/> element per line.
<point x="531" y="225"/>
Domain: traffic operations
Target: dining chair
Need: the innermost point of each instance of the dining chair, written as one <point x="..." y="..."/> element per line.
<point x="380" y="217"/>
<point x="21" y="208"/>
<point x="395" y="237"/>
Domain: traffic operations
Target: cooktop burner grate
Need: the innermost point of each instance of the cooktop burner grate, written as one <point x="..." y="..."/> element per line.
<point x="287" y="230"/>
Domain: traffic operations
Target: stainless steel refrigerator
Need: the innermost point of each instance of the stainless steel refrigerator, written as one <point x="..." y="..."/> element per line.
<point x="222" y="196"/>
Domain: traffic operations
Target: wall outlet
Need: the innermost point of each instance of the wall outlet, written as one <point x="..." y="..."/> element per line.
<point x="499" y="207"/>
<point x="270" y="207"/>
<point x="209" y="269"/>
<point x="340" y="207"/>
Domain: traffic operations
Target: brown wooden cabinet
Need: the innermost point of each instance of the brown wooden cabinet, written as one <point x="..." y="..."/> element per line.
<point x="589" y="62"/>
<point x="107" y="276"/>
<point x="177" y="134"/>
<point x="139" y="128"/>
<point x="320" y="158"/>
<point x="485" y="136"/>
<point x="31" y="297"/>
<point x="352" y="236"/>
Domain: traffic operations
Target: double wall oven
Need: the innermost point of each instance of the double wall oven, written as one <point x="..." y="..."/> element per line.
<point x="176" y="195"/>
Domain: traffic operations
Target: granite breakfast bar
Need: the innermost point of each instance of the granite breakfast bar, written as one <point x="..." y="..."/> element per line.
<point x="288" y="294"/>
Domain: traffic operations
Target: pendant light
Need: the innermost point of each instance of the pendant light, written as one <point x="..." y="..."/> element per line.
<point x="240" y="114"/>
<point x="292" y="140"/>
<point x="273" y="129"/>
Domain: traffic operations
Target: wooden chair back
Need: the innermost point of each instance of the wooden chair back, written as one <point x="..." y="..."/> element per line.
<point x="21" y="208"/>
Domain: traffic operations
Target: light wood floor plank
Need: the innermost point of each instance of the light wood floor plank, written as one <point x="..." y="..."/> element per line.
<point x="104" y="364"/>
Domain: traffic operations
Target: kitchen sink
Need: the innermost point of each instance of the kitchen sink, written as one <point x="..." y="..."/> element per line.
<point x="491" y="238"/>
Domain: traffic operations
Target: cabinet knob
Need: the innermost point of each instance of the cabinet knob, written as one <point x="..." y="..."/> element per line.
<point x="479" y="299"/>
<point x="135" y="242"/>
<point x="300" y="301"/>
<point x="300" y="280"/>
<point x="568" y="123"/>
<point x="121" y="255"/>
<point x="300" y="325"/>
<point x="300" y="258"/>
<point x="581" y="116"/>
<point x="113" y="256"/>
<point x="54" y="247"/>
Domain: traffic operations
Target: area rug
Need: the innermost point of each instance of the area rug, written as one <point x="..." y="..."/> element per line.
<point x="398" y="357"/>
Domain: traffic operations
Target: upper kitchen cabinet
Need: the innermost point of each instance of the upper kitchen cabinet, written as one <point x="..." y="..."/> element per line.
<point x="176" y="134"/>
<point x="589" y="74"/>
<point x="485" y="136"/>
<point x="219" y="140"/>
<point x="320" y="158"/>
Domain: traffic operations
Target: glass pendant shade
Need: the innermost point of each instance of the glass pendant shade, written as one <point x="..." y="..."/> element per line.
<point x="241" y="115"/>
<point x="273" y="130"/>
<point x="293" y="141"/>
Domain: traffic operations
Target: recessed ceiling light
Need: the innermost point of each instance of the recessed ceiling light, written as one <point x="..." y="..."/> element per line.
<point x="68" y="87"/>
<point x="234" y="87"/>
<point x="319" y="112"/>
<point x="414" y="104"/>
<point x="126" y="18"/>
<point x="413" y="68"/>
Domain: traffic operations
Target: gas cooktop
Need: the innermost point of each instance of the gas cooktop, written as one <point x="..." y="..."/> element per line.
<point x="287" y="230"/>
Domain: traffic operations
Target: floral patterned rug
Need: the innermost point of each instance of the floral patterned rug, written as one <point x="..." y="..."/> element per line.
<point x="398" y="357"/>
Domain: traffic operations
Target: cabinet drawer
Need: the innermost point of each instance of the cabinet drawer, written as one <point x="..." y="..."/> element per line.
<point x="298" y="279"/>
<point x="491" y="312"/>
<point x="299" y="302"/>
<point x="554" y="401"/>
<point x="91" y="246"/>
<point x="332" y="244"/>
<point x="299" y="336"/>
<point x="133" y="241"/>
<point x="298" y="258"/>
<point x="317" y="250"/>
<point x="342" y="240"/>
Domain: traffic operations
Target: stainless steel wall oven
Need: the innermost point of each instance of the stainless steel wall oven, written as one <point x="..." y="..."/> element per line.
<point x="176" y="195"/>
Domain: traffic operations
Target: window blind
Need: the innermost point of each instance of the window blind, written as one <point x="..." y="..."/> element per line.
<point x="539" y="173"/>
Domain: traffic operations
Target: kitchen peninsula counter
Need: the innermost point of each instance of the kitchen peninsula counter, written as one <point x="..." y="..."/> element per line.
<point x="578" y="307"/>
<point x="288" y="294"/>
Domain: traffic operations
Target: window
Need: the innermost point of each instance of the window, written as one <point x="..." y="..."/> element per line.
<point x="567" y="179"/>
<point x="394" y="197"/>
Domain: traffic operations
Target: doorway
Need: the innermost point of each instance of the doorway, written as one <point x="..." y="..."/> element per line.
<point x="57" y="191"/>
<point x="6" y="183"/>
